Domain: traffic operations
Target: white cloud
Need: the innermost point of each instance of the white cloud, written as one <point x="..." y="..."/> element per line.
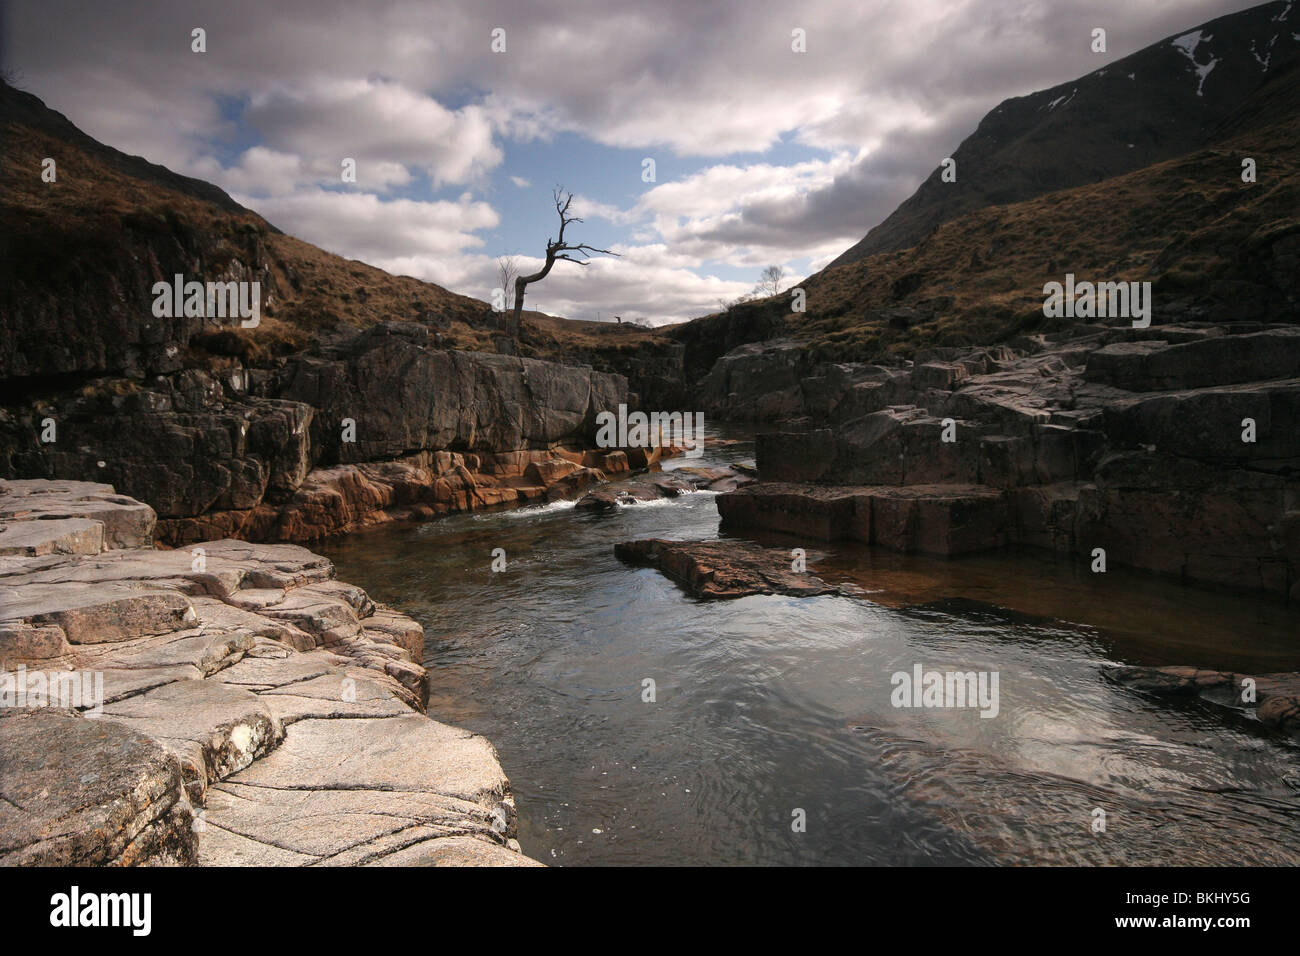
<point x="364" y="226"/>
<point x="380" y="123"/>
<point x="411" y="90"/>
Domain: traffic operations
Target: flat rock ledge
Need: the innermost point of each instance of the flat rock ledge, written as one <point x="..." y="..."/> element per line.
<point x="1276" y="696"/>
<point x="724" y="569"/>
<point x="226" y="704"/>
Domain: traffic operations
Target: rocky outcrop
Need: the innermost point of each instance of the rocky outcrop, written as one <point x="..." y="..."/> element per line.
<point x="631" y="492"/>
<point x="1171" y="448"/>
<point x="230" y="703"/>
<point x="724" y="569"/>
<point x="1273" y="698"/>
<point x="380" y="425"/>
<point x="659" y="485"/>
<point x="931" y="519"/>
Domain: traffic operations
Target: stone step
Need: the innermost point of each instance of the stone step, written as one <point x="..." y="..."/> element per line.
<point x="1209" y="423"/>
<point x="127" y="523"/>
<point x="945" y="519"/>
<point x="1159" y="365"/>
<point x="52" y="536"/>
<point x="98" y="613"/>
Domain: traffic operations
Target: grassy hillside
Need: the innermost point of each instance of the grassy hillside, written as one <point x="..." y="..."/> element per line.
<point x="1214" y="247"/>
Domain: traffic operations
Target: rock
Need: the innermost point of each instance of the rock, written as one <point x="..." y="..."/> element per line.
<point x="934" y="519"/>
<point x="546" y="473"/>
<point x="819" y="512"/>
<point x="795" y="456"/>
<point x="724" y="569"/>
<point x="1277" y="696"/>
<point x="1173" y="448"/>
<point x="213" y="728"/>
<point x="623" y="493"/>
<point x="341" y="790"/>
<point x="942" y="375"/>
<point x="79" y="792"/>
<point x="99" y="613"/>
<point x="127" y="523"/>
<point x="252" y="709"/>
<point x="404" y="395"/>
<point x="215" y="460"/>
<point x="57" y="536"/>
<point x="1201" y="362"/>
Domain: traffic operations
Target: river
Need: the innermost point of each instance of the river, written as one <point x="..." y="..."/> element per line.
<point x="772" y="737"/>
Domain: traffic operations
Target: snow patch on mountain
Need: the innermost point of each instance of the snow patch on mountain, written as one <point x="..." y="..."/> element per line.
<point x="1187" y="44"/>
<point x="1066" y="97"/>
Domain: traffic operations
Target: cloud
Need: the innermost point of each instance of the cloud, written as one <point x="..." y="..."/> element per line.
<point x="376" y="229"/>
<point x="380" y="123"/>
<point x="413" y="92"/>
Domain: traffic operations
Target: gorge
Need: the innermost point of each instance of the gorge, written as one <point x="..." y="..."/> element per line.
<point x="288" y="551"/>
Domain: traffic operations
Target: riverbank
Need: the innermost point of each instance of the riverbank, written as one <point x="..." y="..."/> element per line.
<point x="235" y="704"/>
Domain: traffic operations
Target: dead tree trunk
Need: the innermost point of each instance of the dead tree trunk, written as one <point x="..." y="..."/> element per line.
<point x="555" y="250"/>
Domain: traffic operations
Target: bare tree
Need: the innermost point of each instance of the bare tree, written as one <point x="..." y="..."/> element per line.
<point x="507" y="272"/>
<point x="555" y="250"/>
<point x="769" y="283"/>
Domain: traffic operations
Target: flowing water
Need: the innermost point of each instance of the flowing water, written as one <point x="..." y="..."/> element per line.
<point x="773" y="710"/>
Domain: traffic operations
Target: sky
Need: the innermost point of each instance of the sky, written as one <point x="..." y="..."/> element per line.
<point x="762" y="154"/>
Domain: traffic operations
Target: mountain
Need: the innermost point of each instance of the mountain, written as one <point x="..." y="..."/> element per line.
<point x="79" y="256"/>
<point x="1168" y="99"/>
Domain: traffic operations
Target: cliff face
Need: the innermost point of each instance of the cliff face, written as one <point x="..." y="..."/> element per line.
<point x="381" y="425"/>
<point x="1173" y="449"/>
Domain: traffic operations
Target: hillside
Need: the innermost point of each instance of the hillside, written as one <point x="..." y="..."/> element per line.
<point x="1215" y="248"/>
<point x="1166" y="100"/>
<point x="78" y="258"/>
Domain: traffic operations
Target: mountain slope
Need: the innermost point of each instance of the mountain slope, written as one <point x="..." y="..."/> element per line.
<point x="1215" y="248"/>
<point x="78" y="259"/>
<point x="79" y="256"/>
<point x="1163" y="101"/>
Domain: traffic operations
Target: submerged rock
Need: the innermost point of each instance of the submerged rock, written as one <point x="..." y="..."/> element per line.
<point x="724" y="569"/>
<point x="1274" y="698"/>
<point x="649" y="488"/>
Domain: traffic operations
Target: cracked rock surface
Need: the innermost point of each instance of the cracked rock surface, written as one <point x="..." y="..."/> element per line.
<point x="225" y="704"/>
